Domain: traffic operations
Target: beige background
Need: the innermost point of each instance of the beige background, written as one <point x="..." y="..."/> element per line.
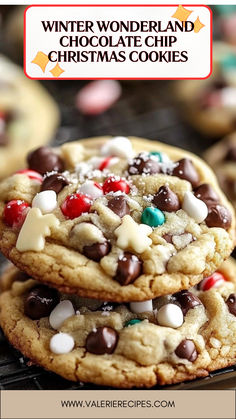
<point x="188" y="404"/>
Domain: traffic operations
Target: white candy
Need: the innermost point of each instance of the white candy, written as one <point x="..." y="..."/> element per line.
<point x="228" y="96"/>
<point x="82" y="168"/>
<point x="133" y="235"/>
<point x="95" y="162"/>
<point x="34" y="230"/>
<point x="141" y="307"/>
<point x="165" y="158"/>
<point x="118" y="146"/>
<point x="170" y="315"/>
<point x="194" y="207"/>
<point x="61" y="343"/>
<point x="60" y="313"/>
<point x="90" y="188"/>
<point x="46" y="201"/>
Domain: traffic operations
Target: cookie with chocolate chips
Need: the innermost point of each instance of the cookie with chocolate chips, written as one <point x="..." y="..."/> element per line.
<point x="118" y="219"/>
<point x="167" y="340"/>
<point x="28" y="117"/>
<point x="210" y="105"/>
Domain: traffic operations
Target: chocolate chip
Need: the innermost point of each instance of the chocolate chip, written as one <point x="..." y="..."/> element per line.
<point x="187" y="300"/>
<point x="44" y="160"/>
<point x="166" y="200"/>
<point x="168" y="238"/>
<point x="128" y="269"/>
<point x="55" y="182"/>
<point x="187" y="350"/>
<point x="231" y="303"/>
<point x="119" y="206"/>
<point x="231" y="154"/>
<point x="144" y="164"/>
<point x="186" y="170"/>
<point x="40" y="301"/>
<point x="207" y="194"/>
<point x="101" y="341"/>
<point x="219" y="83"/>
<point x="96" y="251"/>
<point x="218" y="216"/>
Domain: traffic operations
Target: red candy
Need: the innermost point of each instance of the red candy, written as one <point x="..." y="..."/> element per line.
<point x="213" y="281"/>
<point x="105" y="163"/>
<point x="15" y="212"/>
<point x="114" y="184"/>
<point x="75" y="205"/>
<point x="31" y="174"/>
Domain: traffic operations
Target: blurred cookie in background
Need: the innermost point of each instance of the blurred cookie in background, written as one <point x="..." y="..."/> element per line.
<point x="13" y="31"/>
<point x="226" y="22"/>
<point x="28" y="116"/>
<point x="210" y="105"/>
<point x="222" y="157"/>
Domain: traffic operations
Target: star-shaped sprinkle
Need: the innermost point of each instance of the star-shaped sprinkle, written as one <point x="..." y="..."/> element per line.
<point x="41" y="60"/>
<point x="131" y="235"/>
<point x="182" y="14"/>
<point x="57" y="71"/>
<point x="198" y="25"/>
<point x="34" y="230"/>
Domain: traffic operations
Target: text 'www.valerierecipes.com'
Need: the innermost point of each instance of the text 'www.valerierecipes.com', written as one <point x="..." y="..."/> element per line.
<point x="118" y="404"/>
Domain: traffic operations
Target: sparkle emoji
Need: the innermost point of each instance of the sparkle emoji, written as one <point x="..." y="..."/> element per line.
<point x="57" y="70"/>
<point x="182" y="14"/>
<point x="198" y="25"/>
<point x="41" y="60"/>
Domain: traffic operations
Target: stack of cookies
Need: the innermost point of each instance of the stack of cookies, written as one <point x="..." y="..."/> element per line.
<point x="119" y="279"/>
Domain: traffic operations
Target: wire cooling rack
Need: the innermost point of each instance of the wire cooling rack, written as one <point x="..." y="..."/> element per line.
<point x="146" y="109"/>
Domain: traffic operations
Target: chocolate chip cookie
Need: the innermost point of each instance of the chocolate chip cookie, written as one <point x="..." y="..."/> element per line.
<point x="210" y="105"/>
<point x="222" y="157"/>
<point x="28" y="116"/>
<point x="118" y="219"/>
<point x="163" y="341"/>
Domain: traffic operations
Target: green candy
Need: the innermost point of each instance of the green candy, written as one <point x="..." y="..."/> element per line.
<point x="132" y="322"/>
<point x="228" y="62"/>
<point x="158" y="154"/>
<point x="153" y="217"/>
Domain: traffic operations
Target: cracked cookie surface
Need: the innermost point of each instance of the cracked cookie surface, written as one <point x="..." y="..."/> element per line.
<point x="168" y="340"/>
<point x="115" y="219"/>
<point x="28" y="116"/>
